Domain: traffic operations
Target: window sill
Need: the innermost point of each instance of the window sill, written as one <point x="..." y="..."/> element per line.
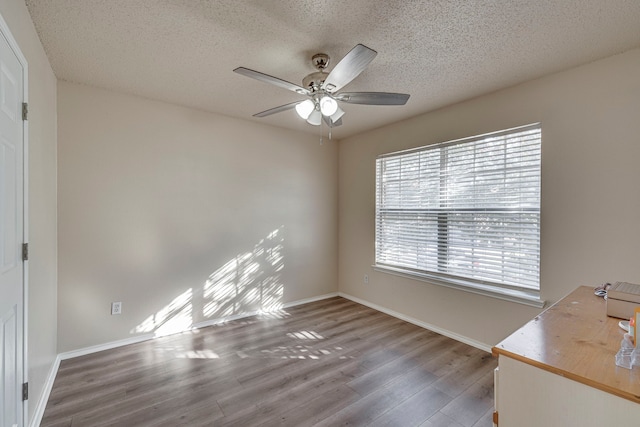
<point x="520" y="296"/>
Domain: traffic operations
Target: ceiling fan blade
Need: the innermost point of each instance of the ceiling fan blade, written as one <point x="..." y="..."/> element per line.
<point x="373" y="98"/>
<point x="331" y="123"/>
<point x="275" y="110"/>
<point x="272" y="80"/>
<point x="349" y="68"/>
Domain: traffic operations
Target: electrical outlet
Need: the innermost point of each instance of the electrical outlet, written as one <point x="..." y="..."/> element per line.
<point x="116" y="308"/>
<point x="366" y="278"/>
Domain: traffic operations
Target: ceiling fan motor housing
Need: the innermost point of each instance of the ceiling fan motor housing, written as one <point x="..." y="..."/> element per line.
<point x="314" y="81"/>
<point x="320" y="61"/>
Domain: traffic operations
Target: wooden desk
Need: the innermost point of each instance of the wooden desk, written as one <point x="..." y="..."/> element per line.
<point x="559" y="369"/>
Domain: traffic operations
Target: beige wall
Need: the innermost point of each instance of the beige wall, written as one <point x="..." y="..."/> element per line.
<point x="184" y="216"/>
<point x="590" y="199"/>
<point x="41" y="300"/>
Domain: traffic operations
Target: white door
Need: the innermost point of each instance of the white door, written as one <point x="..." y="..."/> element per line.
<point x="11" y="235"/>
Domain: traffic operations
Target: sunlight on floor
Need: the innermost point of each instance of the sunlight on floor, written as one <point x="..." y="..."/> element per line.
<point x="305" y="335"/>
<point x="198" y="354"/>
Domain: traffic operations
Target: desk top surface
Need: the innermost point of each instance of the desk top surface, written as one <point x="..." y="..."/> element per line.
<point x="576" y="339"/>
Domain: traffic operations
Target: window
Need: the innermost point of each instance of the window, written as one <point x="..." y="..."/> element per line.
<point x="464" y="213"/>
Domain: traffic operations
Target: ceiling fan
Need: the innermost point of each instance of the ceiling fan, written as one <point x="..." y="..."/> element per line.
<point x="323" y="89"/>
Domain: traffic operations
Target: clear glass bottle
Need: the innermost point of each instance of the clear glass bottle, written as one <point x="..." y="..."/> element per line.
<point x="624" y="357"/>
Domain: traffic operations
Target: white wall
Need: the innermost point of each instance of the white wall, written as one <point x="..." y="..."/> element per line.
<point x="41" y="299"/>
<point x="590" y="204"/>
<point x="184" y="216"/>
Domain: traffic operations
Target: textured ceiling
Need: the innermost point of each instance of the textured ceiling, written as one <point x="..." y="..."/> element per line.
<point x="439" y="51"/>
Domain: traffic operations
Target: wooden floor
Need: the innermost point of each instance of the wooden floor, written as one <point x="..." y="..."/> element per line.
<point x="327" y="363"/>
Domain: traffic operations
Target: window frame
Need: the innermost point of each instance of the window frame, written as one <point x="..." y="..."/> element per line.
<point x="525" y="294"/>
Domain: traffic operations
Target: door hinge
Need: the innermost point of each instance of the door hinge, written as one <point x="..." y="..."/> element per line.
<point x="25" y="111"/>
<point x="25" y="251"/>
<point x="25" y="391"/>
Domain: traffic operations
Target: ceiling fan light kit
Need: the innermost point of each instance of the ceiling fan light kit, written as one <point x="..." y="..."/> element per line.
<point x="315" y="118"/>
<point x="328" y="106"/>
<point x="338" y="114"/>
<point x="323" y="89"/>
<point x="305" y="108"/>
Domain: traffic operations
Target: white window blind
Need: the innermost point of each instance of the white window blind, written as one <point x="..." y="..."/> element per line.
<point x="465" y="210"/>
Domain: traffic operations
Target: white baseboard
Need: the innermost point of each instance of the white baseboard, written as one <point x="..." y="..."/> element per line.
<point x="219" y="320"/>
<point x="425" y="325"/>
<point x="106" y="346"/>
<point x="312" y="299"/>
<point x="46" y="392"/>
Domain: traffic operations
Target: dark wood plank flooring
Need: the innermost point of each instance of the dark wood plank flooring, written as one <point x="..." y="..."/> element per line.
<point x="327" y="363"/>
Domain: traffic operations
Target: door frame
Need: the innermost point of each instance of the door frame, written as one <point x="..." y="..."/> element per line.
<point x="13" y="45"/>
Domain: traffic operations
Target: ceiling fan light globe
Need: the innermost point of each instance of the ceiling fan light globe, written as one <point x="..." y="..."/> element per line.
<point x="305" y="108"/>
<point x="315" y="118"/>
<point x="336" y="116"/>
<point x="328" y="106"/>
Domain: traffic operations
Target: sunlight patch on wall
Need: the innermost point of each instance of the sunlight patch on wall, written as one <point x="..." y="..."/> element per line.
<point x="250" y="282"/>
<point x="177" y="316"/>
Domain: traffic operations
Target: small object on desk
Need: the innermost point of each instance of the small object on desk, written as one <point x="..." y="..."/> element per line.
<point x="624" y="325"/>
<point x="622" y="299"/>
<point x="624" y="356"/>
<point x="601" y="290"/>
